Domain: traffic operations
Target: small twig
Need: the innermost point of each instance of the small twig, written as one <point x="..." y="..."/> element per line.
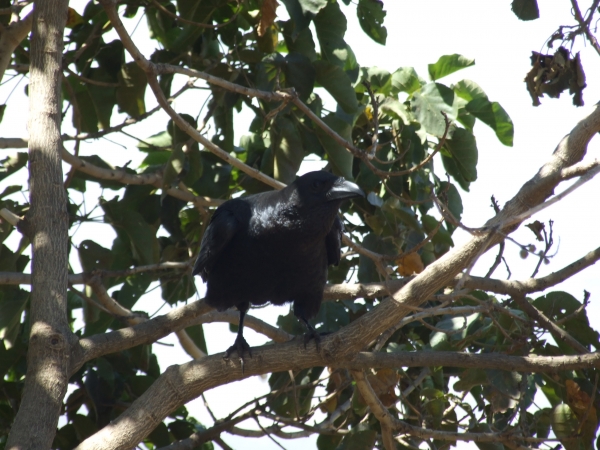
<point x="375" y="104"/>
<point x="548" y="241"/>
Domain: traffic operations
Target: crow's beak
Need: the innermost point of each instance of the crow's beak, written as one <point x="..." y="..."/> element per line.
<point x="343" y="189"/>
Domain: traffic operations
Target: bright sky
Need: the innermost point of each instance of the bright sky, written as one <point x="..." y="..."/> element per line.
<point x="418" y="34"/>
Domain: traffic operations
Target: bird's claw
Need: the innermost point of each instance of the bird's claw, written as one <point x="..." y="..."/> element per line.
<point x="240" y="346"/>
<point x="312" y="334"/>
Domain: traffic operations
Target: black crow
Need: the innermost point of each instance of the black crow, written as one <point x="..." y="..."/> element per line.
<point x="274" y="247"/>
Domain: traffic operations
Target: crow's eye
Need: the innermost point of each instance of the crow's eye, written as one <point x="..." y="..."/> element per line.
<point x="317" y="185"/>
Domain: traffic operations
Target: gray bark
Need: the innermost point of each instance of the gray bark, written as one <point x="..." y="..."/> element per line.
<point x="46" y="224"/>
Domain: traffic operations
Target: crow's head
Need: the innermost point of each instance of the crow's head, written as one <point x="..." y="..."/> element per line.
<point x="321" y="188"/>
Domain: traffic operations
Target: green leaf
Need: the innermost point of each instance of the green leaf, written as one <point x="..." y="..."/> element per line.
<point x="332" y="316"/>
<point x="131" y="90"/>
<point x="339" y="157"/>
<point x="12" y="163"/>
<point x="2" y="110"/>
<point x="8" y="357"/>
<point x="174" y="167"/>
<point x="462" y="162"/>
<point x="84" y="427"/>
<point x="156" y="158"/>
<point x="360" y="438"/>
<point x="331" y="25"/>
<point x="302" y="12"/>
<point x="196" y="333"/>
<point x="456" y="329"/>
<point x="85" y="118"/>
<point x="429" y="102"/>
<point x="328" y="441"/>
<point x="448" y="64"/>
<point x="179" y="136"/>
<point x="393" y="108"/>
<point x="452" y="200"/>
<point x="103" y="98"/>
<point x="156" y="142"/>
<point x="379" y="79"/>
<point x="338" y="84"/>
<point x="12" y="304"/>
<point x="160" y="436"/>
<point x="492" y="114"/>
<point x="405" y="79"/>
<point x="506" y="382"/>
<point x="181" y="429"/>
<point x="526" y="9"/>
<point x="216" y="174"/>
<point x="468" y="90"/>
<point x="301" y="42"/>
<point x="558" y="305"/>
<point x="141" y="234"/>
<point x="470" y="378"/>
<point x="370" y="17"/>
<point x="299" y="74"/>
<point x="93" y="256"/>
<point x="288" y="149"/>
<point x="565" y="426"/>
<point x="133" y="288"/>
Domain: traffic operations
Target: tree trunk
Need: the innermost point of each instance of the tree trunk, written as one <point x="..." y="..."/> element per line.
<point x="47" y="226"/>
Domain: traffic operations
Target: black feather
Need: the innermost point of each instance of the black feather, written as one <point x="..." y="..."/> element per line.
<point x="274" y="247"/>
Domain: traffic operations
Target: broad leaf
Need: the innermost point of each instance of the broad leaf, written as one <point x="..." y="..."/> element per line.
<point x="340" y="157"/>
<point x="462" y="161"/>
<point x="338" y="84"/>
<point x="288" y="149"/>
<point x="429" y="102"/>
<point x="448" y="64"/>
<point x="370" y="17"/>
<point x="405" y="79"/>
<point x="526" y="9"/>
<point x="131" y="90"/>
<point x="492" y="114"/>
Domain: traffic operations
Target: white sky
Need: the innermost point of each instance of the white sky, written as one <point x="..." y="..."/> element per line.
<point x="418" y="34"/>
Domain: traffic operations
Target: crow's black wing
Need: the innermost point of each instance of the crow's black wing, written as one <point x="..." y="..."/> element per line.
<point x="222" y="227"/>
<point x="333" y="242"/>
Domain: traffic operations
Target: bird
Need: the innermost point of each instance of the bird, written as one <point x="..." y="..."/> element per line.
<point x="275" y="247"/>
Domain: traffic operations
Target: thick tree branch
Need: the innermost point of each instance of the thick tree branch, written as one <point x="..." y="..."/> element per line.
<point x="46" y="225"/>
<point x="180" y="384"/>
<point x="132" y="319"/>
<point x="11" y="37"/>
<point x="379" y="411"/>
<point x="142" y="333"/>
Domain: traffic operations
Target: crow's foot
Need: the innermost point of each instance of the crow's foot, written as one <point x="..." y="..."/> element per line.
<point x="240" y="346"/>
<point x="313" y="334"/>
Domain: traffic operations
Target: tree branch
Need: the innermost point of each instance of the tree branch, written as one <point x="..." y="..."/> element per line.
<point x="557" y="332"/>
<point x="180" y="384"/>
<point x="142" y="333"/>
<point x="379" y="411"/>
<point x="11" y="37"/>
<point x="46" y="225"/>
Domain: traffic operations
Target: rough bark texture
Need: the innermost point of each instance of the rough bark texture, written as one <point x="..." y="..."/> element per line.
<point x="47" y="226"/>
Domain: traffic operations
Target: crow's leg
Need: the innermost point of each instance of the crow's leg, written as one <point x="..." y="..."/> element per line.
<point x="311" y="334"/>
<point x="240" y="345"/>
